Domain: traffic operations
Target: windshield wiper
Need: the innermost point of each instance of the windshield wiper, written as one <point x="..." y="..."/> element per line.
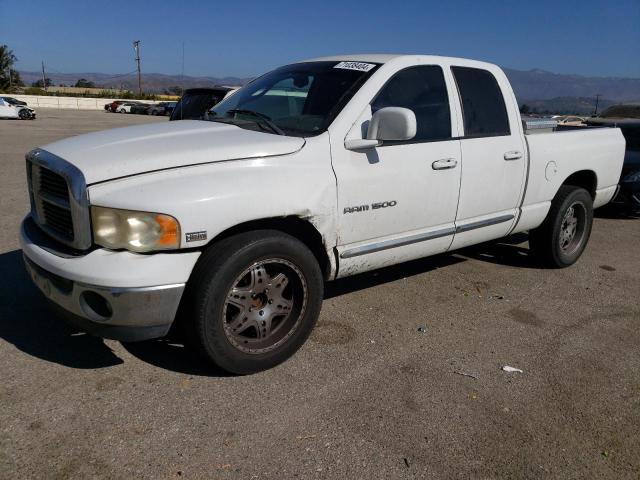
<point x="265" y="119"/>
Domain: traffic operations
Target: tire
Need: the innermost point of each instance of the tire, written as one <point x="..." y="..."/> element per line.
<point x="564" y="234"/>
<point x="257" y="280"/>
<point x="24" y="114"/>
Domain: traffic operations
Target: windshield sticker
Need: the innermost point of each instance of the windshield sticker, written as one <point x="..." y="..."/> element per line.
<point x="359" y="66"/>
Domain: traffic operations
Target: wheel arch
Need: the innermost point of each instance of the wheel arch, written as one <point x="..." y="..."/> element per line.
<point x="299" y="228"/>
<point x="586" y="179"/>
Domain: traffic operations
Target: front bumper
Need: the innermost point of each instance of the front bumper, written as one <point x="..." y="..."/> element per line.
<point x="119" y="311"/>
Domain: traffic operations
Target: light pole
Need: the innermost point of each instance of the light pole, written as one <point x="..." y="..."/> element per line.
<point x="136" y="47"/>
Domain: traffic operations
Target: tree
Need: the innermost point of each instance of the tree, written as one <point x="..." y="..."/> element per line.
<point x="84" y="83"/>
<point x="40" y="85"/>
<point x="7" y="73"/>
<point x="524" y="109"/>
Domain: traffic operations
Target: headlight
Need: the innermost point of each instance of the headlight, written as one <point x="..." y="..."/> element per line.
<point x="136" y="231"/>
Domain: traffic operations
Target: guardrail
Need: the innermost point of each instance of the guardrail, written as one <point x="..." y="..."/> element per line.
<point x="70" y="103"/>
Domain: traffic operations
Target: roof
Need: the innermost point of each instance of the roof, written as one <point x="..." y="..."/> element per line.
<point x="387" y="57"/>
<point x="364" y="57"/>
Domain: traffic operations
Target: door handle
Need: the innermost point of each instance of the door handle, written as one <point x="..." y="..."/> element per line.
<point x="513" y="155"/>
<point x="444" y="163"/>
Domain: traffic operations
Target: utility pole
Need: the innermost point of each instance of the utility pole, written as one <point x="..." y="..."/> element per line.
<point x="44" y="78"/>
<point x="595" y="114"/>
<point x="136" y="47"/>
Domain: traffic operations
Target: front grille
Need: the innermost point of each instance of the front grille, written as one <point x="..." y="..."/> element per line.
<point x="59" y="203"/>
<point x="58" y="219"/>
<point x="51" y="197"/>
<point x="53" y="184"/>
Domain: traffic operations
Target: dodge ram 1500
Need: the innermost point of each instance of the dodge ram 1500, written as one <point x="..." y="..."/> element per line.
<point x="317" y="170"/>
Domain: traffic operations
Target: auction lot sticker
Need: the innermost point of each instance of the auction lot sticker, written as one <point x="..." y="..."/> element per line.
<point x="359" y="66"/>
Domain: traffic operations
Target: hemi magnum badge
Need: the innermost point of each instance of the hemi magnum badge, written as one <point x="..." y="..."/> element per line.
<point x="196" y="236"/>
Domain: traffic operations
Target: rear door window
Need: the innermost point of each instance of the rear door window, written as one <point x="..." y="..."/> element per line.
<point x="423" y="90"/>
<point x="483" y="108"/>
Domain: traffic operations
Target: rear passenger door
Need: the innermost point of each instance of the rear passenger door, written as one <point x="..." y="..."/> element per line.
<point x="493" y="157"/>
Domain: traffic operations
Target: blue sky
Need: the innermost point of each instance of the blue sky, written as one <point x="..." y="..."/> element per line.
<point x="245" y="38"/>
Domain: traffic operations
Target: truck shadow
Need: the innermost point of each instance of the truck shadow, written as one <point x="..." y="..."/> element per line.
<point x="27" y="322"/>
<point x="510" y="251"/>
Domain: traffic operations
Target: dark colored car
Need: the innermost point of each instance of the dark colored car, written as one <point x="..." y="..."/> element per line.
<point x="162" y="108"/>
<point x="141" y="108"/>
<point x="627" y="118"/>
<point x="14" y="101"/>
<point x="196" y="101"/>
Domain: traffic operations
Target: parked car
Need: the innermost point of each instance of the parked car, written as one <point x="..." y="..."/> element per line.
<point x="22" y="112"/>
<point x="627" y="119"/>
<point x="162" y="108"/>
<point x="315" y="171"/>
<point x="113" y="106"/>
<point x="126" y="107"/>
<point x="141" y="108"/>
<point x="569" y="120"/>
<point x="14" y="101"/>
<point x="195" y="102"/>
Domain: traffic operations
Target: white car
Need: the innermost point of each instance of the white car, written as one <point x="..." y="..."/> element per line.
<point x="315" y="171"/>
<point x="125" y="107"/>
<point x="8" y="110"/>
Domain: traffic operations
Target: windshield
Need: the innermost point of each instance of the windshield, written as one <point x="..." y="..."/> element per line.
<point x="297" y="100"/>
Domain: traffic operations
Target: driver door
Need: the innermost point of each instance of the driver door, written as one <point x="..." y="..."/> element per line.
<point x="398" y="201"/>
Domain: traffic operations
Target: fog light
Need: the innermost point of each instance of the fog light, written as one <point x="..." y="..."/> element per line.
<point x="95" y="306"/>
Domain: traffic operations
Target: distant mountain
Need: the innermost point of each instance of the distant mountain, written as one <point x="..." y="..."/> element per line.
<point x="541" y="85"/>
<point x="567" y="105"/>
<point x="151" y="82"/>
<point x="542" y="90"/>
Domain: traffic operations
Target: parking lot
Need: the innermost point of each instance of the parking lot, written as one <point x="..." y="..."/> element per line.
<point x="401" y="378"/>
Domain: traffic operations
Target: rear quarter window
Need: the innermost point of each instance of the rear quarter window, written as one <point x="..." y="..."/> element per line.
<point x="483" y="108"/>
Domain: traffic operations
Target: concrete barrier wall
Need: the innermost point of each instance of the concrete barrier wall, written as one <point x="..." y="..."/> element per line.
<point x="69" y="103"/>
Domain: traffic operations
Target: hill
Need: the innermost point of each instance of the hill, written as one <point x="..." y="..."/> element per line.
<point x="541" y="90"/>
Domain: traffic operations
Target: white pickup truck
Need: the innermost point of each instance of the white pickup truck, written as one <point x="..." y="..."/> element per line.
<point x="315" y="171"/>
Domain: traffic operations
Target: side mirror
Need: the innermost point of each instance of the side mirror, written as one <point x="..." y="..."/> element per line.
<point x="392" y="123"/>
<point x="389" y="123"/>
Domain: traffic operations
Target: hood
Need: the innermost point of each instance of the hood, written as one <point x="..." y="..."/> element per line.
<point x="133" y="150"/>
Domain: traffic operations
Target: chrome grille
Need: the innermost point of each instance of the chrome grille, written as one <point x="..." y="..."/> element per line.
<point x="58" y="219"/>
<point x="53" y="184"/>
<point x="58" y="199"/>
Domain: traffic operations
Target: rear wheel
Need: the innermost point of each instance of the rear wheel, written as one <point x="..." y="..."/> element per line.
<point x="563" y="236"/>
<point x="253" y="300"/>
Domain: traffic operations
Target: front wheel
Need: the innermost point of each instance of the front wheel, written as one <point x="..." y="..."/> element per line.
<point x="24" y="114"/>
<point x="253" y="300"/>
<point x="564" y="234"/>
